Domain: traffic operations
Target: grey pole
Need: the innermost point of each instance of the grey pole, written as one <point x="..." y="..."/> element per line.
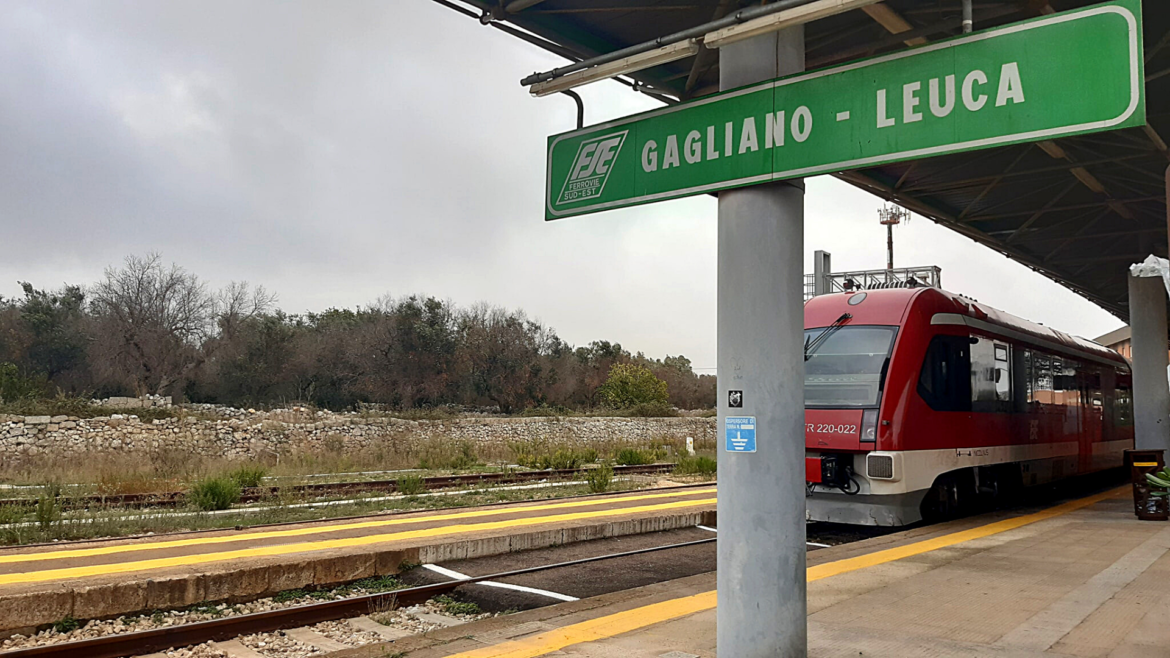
<point x="822" y="266"/>
<point x="761" y="597"/>
<point x="1151" y="395"/>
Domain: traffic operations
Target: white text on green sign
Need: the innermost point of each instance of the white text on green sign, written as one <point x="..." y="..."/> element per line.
<point x="1063" y="74"/>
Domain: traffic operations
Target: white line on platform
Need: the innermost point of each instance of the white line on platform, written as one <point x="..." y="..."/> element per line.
<point x="455" y="575"/>
<point x="703" y="527"/>
<point x="813" y="543"/>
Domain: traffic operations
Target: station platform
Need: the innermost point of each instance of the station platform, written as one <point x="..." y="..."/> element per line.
<point x="1083" y="578"/>
<point x="91" y="580"/>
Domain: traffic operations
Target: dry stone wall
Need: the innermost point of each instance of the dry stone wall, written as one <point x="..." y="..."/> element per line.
<point x="243" y="434"/>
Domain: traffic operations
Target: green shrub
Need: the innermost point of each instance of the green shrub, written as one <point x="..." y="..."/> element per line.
<point x="15" y="385"/>
<point x="600" y="479"/>
<point x="248" y="477"/>
<point x="564" y="459"/>
<point x="410" y="485"/>
<point x="215" y="493"/>
<point x="630" y="385"/>
<point x="48" y="510"/>
<point x="698" y="465"/>
<point x="633" y="457"/>
<point x="541" y="457"/>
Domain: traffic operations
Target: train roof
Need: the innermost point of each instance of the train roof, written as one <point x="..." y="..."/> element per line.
<point x="892" y="306"/>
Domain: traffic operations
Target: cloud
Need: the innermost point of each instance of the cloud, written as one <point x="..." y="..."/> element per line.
<point x="334" y="152"/>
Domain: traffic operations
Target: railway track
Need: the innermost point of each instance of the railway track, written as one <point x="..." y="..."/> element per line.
<point x="256" y="494"/>
<point x="161" y="639"/>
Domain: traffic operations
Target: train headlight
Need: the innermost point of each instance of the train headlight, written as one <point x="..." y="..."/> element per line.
<point x="869" y="421"/>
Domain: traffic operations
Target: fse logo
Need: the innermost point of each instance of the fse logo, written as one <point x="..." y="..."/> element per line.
<point x="591" y="167"/>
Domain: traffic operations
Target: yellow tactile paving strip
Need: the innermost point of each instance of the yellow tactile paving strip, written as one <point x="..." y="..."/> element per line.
<point x="695" y="498"/>
<point x="626" y="621"/>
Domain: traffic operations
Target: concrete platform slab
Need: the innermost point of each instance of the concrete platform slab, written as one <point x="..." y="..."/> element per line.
<point x="1081" y="579"/>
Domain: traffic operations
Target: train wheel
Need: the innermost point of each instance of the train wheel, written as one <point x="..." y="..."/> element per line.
<point x="942" y="501"/>
<point x="953" y="494"/>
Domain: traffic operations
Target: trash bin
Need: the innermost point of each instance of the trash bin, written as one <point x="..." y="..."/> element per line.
<point x="1145" y="506"/>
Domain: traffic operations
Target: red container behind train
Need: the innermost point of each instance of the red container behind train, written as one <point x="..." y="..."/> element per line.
<point x="919" y="402"/>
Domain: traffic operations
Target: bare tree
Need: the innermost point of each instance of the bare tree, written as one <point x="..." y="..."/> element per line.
<point x="158" y="323"/>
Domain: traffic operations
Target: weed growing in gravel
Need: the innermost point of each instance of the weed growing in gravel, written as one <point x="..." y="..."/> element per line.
<point x="698" y="465"/>
<point x="289" y="595"/>
<point x="372" y="585"/>
<point x="13" y="513"/>
<point x="600" y="479"/>
<point x="410" y="485"/>
<point x="248" y="476"/>
<point x="67" y="625"/>
<point x="217" y="493"/>
<point x="48" y="510"/>
<point x="454" y="607"/>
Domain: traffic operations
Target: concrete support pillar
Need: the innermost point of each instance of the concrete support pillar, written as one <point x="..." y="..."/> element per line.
<point x="1151" y="395"/>
<point x="762" y="607"/>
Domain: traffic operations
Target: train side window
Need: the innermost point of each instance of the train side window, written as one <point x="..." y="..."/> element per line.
<point x="1066" y="391"/>
<point x="1123" y="401"/>
<point x="945" y="380"/>
<point x="991" y="383"/>
<point x="1041" y="379"/>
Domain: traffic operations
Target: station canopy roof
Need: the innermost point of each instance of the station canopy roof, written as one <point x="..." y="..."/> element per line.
<point x="1079" y="210"/>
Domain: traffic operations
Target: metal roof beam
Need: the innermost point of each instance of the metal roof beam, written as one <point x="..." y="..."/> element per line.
<point x="994" y="182"/>
<point x="706" y="56"/>
<point x="1039" y="213"/>
<point x="968" y="182"/>
<point x="893" y="22"/>
<point x="1080" y="206"/>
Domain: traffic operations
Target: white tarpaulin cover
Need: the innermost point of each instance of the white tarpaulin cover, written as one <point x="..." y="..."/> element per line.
<point x="1153" y="266"/>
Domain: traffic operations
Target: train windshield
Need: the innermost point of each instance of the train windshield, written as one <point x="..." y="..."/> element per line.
<point x="846" y="370"/>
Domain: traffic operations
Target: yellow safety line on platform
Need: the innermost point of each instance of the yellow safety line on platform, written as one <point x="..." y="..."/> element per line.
<point x="320" y="530"/>
<point x="328" y="544"/>
<point x="618" y="623"/>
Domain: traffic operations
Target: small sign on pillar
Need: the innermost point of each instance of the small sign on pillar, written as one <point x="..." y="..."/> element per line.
<point x="740" y="433"/>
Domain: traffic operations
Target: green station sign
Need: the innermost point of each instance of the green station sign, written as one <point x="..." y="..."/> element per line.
<point x="1064" y="74"/>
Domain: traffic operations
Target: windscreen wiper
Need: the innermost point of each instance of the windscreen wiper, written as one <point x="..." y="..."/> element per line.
<point x="810" y="347"/>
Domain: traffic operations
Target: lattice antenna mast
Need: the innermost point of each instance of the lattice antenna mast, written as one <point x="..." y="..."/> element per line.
<point x="890" y="215"/>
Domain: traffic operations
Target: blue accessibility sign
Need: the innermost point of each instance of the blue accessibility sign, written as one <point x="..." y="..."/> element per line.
<point x="741" y="433"/>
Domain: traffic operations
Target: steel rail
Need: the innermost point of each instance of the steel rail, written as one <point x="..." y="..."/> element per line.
<point x="256" y="494"/>
<point x="161" y="639"/>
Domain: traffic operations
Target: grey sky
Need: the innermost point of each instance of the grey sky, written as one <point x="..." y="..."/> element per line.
<point x="338" y="151"/>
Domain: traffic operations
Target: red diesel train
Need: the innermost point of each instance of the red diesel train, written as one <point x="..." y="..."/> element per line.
<point x="919" y="402"/>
